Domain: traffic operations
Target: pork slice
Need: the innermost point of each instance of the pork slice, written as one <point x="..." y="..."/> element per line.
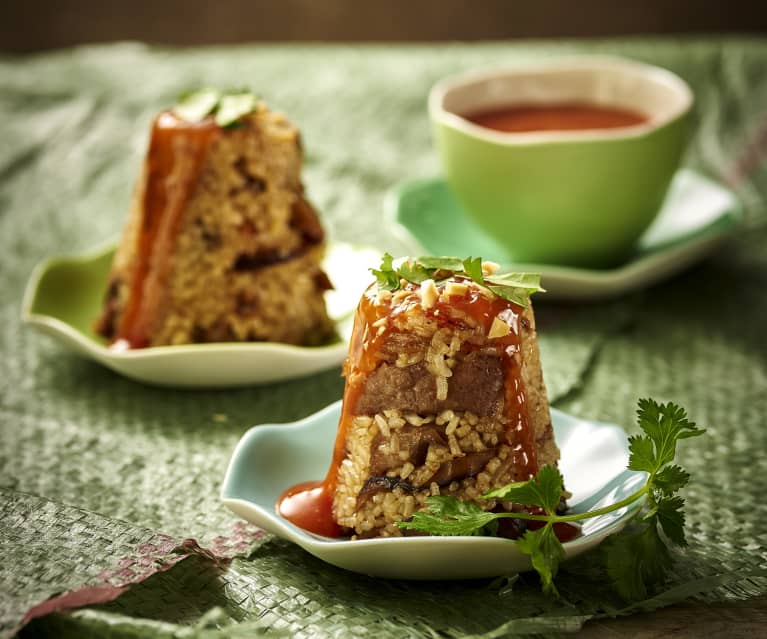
<point x="390" y="387"/>
<point x="462" y="467"/>
<point x="476" y="386"/>
<point x="413" y="441"/>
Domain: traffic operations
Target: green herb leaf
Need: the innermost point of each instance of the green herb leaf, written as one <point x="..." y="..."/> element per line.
<point x="386" y="276"/>
<point x="528" y="281"/>
<point x="441" y="263"/>
<point x="450" y="516"/>
<point x="227" y="107"/>
<point x="197" y="105"/>
<point x="642" y="455"/>
<point x="543" y="490"/>
<point x="665" y="424"/>
<point x="514" y="287"/>
<point x="638" y="561"/>
<point x="452" y="507"/>
<point x="635" y="559"/>
<point x="671" y="518"/>
<point x="233" y="106"/>
<point x="546" y="552"/>
<point x="518" y="296"/>
<point x="473" y="268"/>
<point x="671" y="479"/>
<point x="413" y="272"/>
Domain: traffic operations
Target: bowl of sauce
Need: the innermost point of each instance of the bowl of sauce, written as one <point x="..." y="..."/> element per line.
<point x="562" y="162"/>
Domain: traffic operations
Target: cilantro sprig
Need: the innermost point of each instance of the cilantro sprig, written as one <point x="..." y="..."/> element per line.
<point x="636" y="559"/>
<point x="514" y="287"/>
<point x="227" y="107"/>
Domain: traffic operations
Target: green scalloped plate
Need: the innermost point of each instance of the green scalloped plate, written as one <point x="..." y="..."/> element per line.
<point x="697" y="215"/>
<point x="64" y="296"/>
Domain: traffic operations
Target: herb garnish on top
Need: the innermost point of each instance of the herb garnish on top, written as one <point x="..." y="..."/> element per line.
<point x="226" y="106"/>
<point x="513" y="287"/>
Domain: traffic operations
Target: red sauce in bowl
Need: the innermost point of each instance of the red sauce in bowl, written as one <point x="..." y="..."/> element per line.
<point x="524" y="118"/>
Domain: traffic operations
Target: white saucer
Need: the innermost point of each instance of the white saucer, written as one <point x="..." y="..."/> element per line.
<point x="271" y="458"/>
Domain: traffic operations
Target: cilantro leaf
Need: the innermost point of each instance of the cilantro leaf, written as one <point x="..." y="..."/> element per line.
<point x="665" y="424"/>
<point x="546" y="552"/>
<point x="386" y="275"/>
<point x="636" y="561"/>
<point x="513" y="287"/>
<point x="528" y="281"/>
<point x="671" y="479"/>
<point x="447" y="515"/>
<point x="671" y="518"/>
<point x="451" y="507"/>
<point x="195" y="106"/>
<point x="413" y="272"/>
<point x="441" y="263"/>
<point x="387" y="262"/>
<point x="232" y="106"/>
<point x="642" y="454"/>
<point x="544" y="490"/>
<point x="518" y="296"/>
<point x="226" y="107"/>
<point x="473" y="268"/>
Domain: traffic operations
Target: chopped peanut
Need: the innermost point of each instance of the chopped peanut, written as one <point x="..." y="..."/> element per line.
<point x="455" y="289"/>
<point x="429" y="294"/>
<point x="499" y="328"/>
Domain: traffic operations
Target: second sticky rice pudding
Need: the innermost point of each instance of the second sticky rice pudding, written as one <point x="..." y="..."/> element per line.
<point x="221" y="244"/>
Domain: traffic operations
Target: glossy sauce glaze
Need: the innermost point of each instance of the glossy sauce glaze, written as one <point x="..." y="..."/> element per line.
<point x="310" y="505"/>
<point x="177" y="152"/>
<point x="555" y="117"/>
<point x="564" y="530"/>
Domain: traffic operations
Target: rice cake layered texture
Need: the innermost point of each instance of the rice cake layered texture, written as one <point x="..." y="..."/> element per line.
<point x="221" y="243"/>
<point x="444" y="396"/>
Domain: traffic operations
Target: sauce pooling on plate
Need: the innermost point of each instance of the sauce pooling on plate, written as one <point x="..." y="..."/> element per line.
<point x="524" y="118"/>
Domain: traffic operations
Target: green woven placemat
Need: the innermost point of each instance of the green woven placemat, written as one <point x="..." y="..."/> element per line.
<point x="86" y="557"/>
<point x="134" y="461"/>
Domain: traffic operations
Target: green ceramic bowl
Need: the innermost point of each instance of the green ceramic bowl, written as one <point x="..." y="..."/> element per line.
<point x="582" y="197"/>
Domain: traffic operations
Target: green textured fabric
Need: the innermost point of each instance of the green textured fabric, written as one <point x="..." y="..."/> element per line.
<point x="93" y="465"/>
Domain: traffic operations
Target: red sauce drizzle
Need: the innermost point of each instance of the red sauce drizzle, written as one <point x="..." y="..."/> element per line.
<point x="177" y="151"/>
<point x="555" y="117"/>
<point x="309" y="505"/>
<point x="564" y="530"/>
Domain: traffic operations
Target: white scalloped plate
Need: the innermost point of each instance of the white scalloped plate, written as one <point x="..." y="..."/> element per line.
<point x="64" y="296"/>
<point x="271" y="458"/>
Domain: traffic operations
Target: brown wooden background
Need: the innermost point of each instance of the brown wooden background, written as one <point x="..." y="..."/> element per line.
<point x="32" y="25"/>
